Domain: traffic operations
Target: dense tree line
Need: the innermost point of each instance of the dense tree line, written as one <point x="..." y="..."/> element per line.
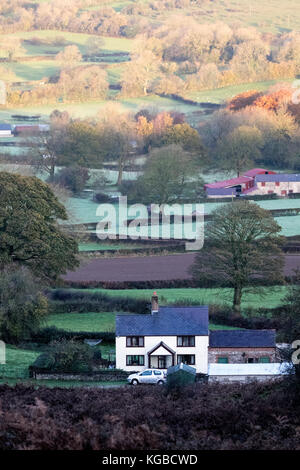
<point x="255" y="129"/>
<point x="182" y="55"/>
<point x="173" y="55"/>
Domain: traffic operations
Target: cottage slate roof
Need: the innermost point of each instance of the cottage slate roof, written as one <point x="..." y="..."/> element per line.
<point x="281" y="177"/>
<point x="242" y="339"/>
<point x="5" y="127"/>
<point x="168" y="321"/>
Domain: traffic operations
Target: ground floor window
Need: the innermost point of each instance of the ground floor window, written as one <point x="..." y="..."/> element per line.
<point x="188" y="359"/>
<point x="264" y="359"/>
<point x="222" y="360"/>
<point x="135" y="360"/>
<point x="255" y="360"/>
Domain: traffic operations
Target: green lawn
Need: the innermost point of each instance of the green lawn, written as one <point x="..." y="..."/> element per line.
<point x="17" y="362"/>
<point x="92" y="322"/>
<point x="80" y="39"/>
<point x="221" y="296"/>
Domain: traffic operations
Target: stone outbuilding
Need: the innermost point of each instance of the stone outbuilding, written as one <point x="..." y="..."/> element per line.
<point x="242" y="346"/>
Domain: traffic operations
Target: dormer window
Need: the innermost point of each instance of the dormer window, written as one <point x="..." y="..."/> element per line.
<point x="186" y="341"/>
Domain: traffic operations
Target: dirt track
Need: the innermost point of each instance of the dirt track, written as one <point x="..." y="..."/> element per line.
<point x="150" y="268"/>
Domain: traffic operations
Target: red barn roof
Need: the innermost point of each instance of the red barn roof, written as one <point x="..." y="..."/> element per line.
<point x="229" y="183"/>
<point x="258" y="171"/>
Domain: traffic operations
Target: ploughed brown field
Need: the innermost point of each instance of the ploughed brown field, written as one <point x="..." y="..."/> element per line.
<point x="150" y="268"/>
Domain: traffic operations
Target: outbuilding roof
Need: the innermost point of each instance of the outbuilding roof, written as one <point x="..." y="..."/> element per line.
<point x="280" y="177"/>
<point x="242" y="339"/>
<point x="258" y="171"/>
<point x="168" y="321"/>
<point x="221" y="191"/>
<point x="228" y="183"/>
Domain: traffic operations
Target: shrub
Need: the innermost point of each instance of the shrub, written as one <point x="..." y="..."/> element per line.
<point x="44" y="361"/>
<point x="51" y="333"/>
<point x="103" y="198"/>
<point x="73" y="178"/>
<point x="70" y="356"/>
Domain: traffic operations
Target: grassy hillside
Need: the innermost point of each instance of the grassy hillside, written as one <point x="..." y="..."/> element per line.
<point x="272" y="297"/>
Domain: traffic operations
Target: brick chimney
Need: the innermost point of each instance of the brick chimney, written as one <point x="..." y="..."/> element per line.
<point x="154" y="303"/>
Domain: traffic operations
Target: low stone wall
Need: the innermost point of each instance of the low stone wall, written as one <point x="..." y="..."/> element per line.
<point x="244" y="378"/>
<point x="96" y="377"/>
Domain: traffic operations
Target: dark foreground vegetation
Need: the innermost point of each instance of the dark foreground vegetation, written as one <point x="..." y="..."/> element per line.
<point x="199" y="417"/>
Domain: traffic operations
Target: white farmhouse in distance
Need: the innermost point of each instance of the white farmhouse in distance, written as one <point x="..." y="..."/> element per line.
<point x="5" y="130"/>
<point x="164" y="338"/>
<point x="281" y="184"/>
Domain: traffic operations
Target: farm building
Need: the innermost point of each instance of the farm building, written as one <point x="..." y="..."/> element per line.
<point x="170" y="336"/>
<point x="26" y="130"/>
<point x="5" y="130"/>
<point x="242" y="346"/>
<point x="235" y="186"/>
<point x="281" y="184"/>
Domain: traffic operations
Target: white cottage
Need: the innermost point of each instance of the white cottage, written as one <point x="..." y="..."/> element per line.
<point x="164" y="338"/>
<point x="281" y="184"/>
<point x="5" y="130"/>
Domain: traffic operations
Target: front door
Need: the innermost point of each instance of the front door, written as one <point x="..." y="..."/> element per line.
<point x="162" y="363"/>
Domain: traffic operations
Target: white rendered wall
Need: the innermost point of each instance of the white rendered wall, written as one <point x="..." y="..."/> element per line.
<point x="200" y="350"/>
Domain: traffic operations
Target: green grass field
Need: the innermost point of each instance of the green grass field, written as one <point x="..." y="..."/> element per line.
<point x="272" y="16"/>
<point x="220" y="296"/>
<point x="16" y="370"/>
<point x="220" y="95"/>
<point x="93" y="322"/>
<point x="79" y="39"/>
<point x="17" y="362"/>
<point x="83" y="247"/>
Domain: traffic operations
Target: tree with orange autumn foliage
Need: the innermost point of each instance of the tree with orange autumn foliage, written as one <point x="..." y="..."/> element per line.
<point x="242" y="100"/>
<point x="274" y="100"/>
